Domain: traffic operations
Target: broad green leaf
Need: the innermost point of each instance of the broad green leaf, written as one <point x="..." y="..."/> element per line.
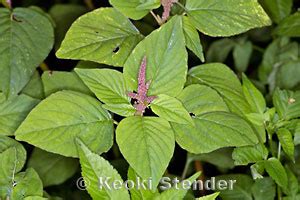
<point x="209" y="197"/>
<point x="276" y="171"/>
<point x="26" y="40"/>
<point x="241" y="55"/>
<point x="150" y="138"/>
<point x="290" y="26"/>
<point x="27" y="184"/>
<point x="13" y="111"/>
<point x="286" y="140"/>
<point x="109" y="42"/>
<point x="94" y="168"/>
<point x="109" y="87"/>
<point x="264" y="189"/>
<point x="293" y="185"/>
<point x="142" y="192"/>
<point x="53" y="169"/>
<point x="214" y="130"/>
<point x="55" y="81"/>
<point x="220" y="158"/>
<point x="287" y="103"/>
<point x="226" y="17"/>
<point x="219" y="50"/>
<point x="135" y="9"/>
<point x="179" y="191"/>
<point x="241" y="185"/>
<point x="171" y="109"/>
<point x="64" y="15"/>
<point x="34" y="87"/>
<point x="192" y="38"/>
<point x="287" y="75"/>
<point x="8" y="161"/>
<point x="277" y="10"/>
<point x="249" y="154"/>
<point x="200" y="99"/>
<point x="219" y="77"/>
<point x="54" y="124"/>
<point x="6" y="143"/>
<point x="253" y="96"/>
<point x="166" y="71"/>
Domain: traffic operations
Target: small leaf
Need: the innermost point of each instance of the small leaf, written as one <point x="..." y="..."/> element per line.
<point x="264" y="189"/>
<point x="290" y="26"/>
<point x="253" y="96"/>
<point x="249" y="154"/>
<point x="219" y="50"/>
<point x="150" y="138"/>
<point x="286" y="140"/>
<point x="287" y="103"/>
<point x="241" y="55"/>
<point x="213" y="131"/>
<point x="277" y="172"/>
<point x="224" y="18"/>
<point x="27" y="37"/>
<point x="58" y="120"/>
<point x="171" y="109"/>
<point x="87" y="39"/>
<point x="13" y="111"/>
<point x="192" y="38"/>
<point x="94" y="168"/>
<point x="8" y="160"/>
<point x="55" y="81"/>
<point x="53" y="169"/>
<point x="277" y="10"/>
<point x="209" y="197"/>
<point x="166" y="72"/>
<point x="200" y="99"/>
<point x="34" y="87"/>
<point x="135" y="9"/>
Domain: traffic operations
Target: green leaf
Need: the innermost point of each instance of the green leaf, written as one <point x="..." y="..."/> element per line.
<point x="276" y="171"/>
<point x="8" y="160"/>
<point x="109" y="42"/>
<point x="219" y="50"/>
<point x="27" y="184"/>
<point x="150" y="138"/>
<point x="253" y="96"/>
<point x="139" y="193"/>
<point x="171" y="109"/>
<point x="287" y="75"/>
<point x="241" y="55"/>
<point x="277" y="10"/>
<point x="287" y="103"/>
<point x="241" y="187"/>
<point x="200" y="99"/>
<point x="26" y="40"/>
<point x="94" y="168"/>
<point x="6" y="143"/>
<point x="166" y="72"/>
<point x="58" y="120"/>
<point x="213" y="131"/>
<point x="293" y="185"/>
<point x="219" y="77"/>
<point x="109" y="87"/>
<point x="209" y="197"/>
<point x="135" y="9"/>
<point x="249" y="154"/>
<point x="290" y="26"/>
<point x="286" y="140"/>
<point x="13" y="111"/>
<point x="34" y="87"/>
<point x="192" y="38"/>
<point x="53" y="169"/>
<point x="264" y="189"/>
<point x="35" y="198"/>
<point x="226" y="18"/>
<point x="55" y="81"/>
<point x="179" y="191"/>
<point x="64" y="15"/>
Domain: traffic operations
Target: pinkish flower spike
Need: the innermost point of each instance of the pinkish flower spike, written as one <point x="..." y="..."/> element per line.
<point x="141" y="96"/>
<point x="8" y="3"/>
<point x="167" y="4"/>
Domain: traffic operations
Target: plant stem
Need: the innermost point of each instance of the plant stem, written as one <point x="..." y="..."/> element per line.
<point x="259" y="49"/>
<point x="44" y="67"/>
<point x="186" y="167"/>
<point x="89" y="4"/>
<point x="116" y="123"/>
<point x="157" y="18"/>
<point x="182" y="6"/>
